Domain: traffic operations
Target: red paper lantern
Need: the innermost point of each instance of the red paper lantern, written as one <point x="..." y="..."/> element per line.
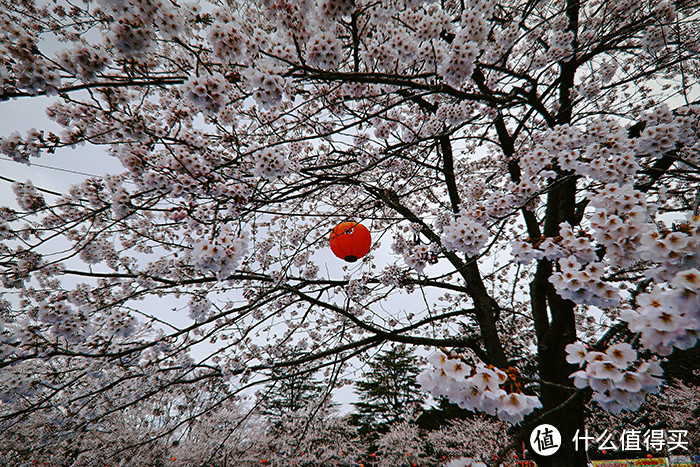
<point x="350" y="241"/>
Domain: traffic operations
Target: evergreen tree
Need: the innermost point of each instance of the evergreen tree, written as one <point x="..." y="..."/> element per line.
<point x="389" y="392"/>
<point x="443" y="414"/>
<point x="291" y="391"/>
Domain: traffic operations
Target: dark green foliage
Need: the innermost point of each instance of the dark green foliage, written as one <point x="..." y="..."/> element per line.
<point x="445" y="412"/>
<point x="290" y="393"/>
<point x="684" y="365"/>
<point x="389" y="393"/>
<point x="293" y="389"/>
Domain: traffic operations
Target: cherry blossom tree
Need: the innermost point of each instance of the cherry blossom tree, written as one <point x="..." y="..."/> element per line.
<point x="676" y="408"/>
<point x="533" y="166"/>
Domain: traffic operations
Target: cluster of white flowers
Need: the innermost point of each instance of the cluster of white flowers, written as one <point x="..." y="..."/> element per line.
<point x="380" y="55"/>
<point x="32" y="72"/>
<point x="310" y="271"/>
<point x="208" y="92"/>
<point x="226" y="40"/>
<point x="567" y="245"/>
<point x="464" y="234"/>
<point x="95" y="249"/>
<point x="5" y="230"/>
<point x="416" y="256"/>
<point x="583" y="285"/>
<point x="619" y="220"/>
<point x="266" y="81"/>
<point x="459" y="64"/>
<point x="17" y="273"/>
<point x="428" y="22"/>
<point x="455" y="114"/>
<point x="84" y="62"/>
<point x="615" y="387"/>
<point x="324" y="51"/>
<point x="404" y="45"/>
<point x="675" y="250"/>
<point x="578" y="244"/>
<point x="560" y="45"/>
<point x="660" y="133"/>
<point x="121" y="203"/>
<point x="12" y="146"/>
<point x="668" y="317"/>
<point x="603" y="152"/>
<point x="335" y="8"/>
<point x="219" y="255"/>
<point x="356" y="289"/>
<point x="129" y="36"/>
<point x="478" y="387"/>
<point x="200" y="308"/>
<point x="392" y="275"/>
<point x="271" y="163"/>
<point x="28" y="196"/>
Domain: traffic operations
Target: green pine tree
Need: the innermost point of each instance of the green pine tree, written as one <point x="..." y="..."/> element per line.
<point x="389" y="393"/>
<point x="292" y="390"/>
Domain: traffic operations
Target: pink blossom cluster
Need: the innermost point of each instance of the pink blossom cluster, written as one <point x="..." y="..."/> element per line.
<point x="310" y="271"/>
<point x="604" y="152"/>
<point x="455" y="114"/>
<point x="619" y="220"/>
<point x="208" y="92"/>
<point x="392" y="275"/>
<point x="220" y="254"/>
<point x="22" y="68"/>
<point x="615" y="387"/>
<point x="664" y="129"/>
<point x="17" y="273"/>
<point x="428" y="22"/>
<point x="199" y="308"/>
<point x="85" y="62"/>
<point x="356" y="289"/>
<point x="674" y="249"/>
<point x="335" y="8"/>
<point x="467" y="44"/>
<point x="271" y="163"/>
<point x="5" y="230"/>
<point x="560" y="46"/>
<point x="324" y="51"/>
<point x="130" y="37"/>
<point x="668" y="317"/>
<point x="465" y="234"/>
<point x="28" y="196"/>
<point x="459" y="64"/>
<point x="121" y="203"/>
<point x="132" y="32"/>
<point x="95" y="249"/>
<point x="416" y="256"/>
<point x="227" y="40"/>
<point x="266" y="81"/>
<point x="584" y="285"/>
<point x="22" y="149"/>
<point x="475" y="387"/>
